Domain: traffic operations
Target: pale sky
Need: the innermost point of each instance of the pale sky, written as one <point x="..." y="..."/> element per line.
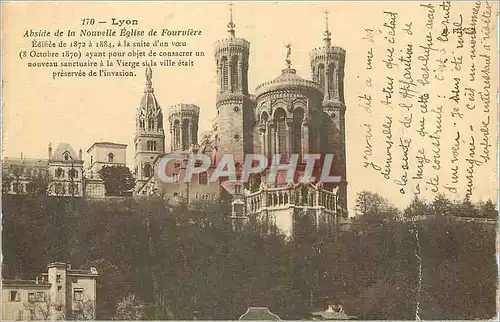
<point x="39" y="110"/>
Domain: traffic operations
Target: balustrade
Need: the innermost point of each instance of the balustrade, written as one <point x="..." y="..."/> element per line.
<point x="285" y="196"/>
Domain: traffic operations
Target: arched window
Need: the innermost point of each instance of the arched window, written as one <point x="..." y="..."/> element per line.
<point x="321" y="75"/>
<point x="280" y="119"/>
<point x="225" y="73"/>
<point x="66" y="155"/>
<point x="298" y="116"/>
<point x="147" y="170"/>
<point x="141" y="123"/>
<point x="111" y="157"/>
<point x="59" y="172"/>
<point x="151" y="124"/>
<point x="234" y="74"/>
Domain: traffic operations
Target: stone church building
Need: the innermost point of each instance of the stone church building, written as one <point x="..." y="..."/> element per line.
<point x="285" y="115"/>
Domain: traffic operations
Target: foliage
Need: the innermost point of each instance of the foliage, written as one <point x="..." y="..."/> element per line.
<point x="374" y="208"/>
<point x="130" y="308"/>
<point x="117" y="180"/>
<point x="186" y="262"/>
<point x="44" y="308"/>
<point x="84" y="310"/>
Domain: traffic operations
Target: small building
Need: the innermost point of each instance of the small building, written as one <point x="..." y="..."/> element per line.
<point x="259" y="314"/>
<point x="60" y="293"/>
<point x="333" y="312"/>
<point x="102" y="154"/>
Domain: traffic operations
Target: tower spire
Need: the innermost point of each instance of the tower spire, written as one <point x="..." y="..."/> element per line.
<point x="288" y="53"/>
<point x="149" y="83"/>
<point x="231" y="24"/>
<point x="327" y="32"/>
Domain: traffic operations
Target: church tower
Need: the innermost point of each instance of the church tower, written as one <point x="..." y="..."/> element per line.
<point x="183" y="119"/>
<point x="149" y="135"/>
<point x="327" y="65"/>
<point x="234" y="108"/>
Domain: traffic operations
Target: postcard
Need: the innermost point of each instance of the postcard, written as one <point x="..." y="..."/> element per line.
<point x="249" y="160"/>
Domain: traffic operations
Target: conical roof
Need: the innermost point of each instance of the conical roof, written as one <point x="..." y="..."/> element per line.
<point x="149" y="106"/>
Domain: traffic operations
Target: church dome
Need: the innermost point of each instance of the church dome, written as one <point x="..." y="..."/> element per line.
<point x="286" y="81"/>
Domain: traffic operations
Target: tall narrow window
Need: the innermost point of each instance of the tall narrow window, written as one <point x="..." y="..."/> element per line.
<point x="298" y="116"/>
<point x="185" y="134"/>
<point x="177" y="135"/>
<point x="225" y="73"/>
<point x="147" y="170"/>
<point x="151" y="124"/>
<point x="141" y="123"/>
<point x="203" y="178"/>
<point x="321" y="75"/>
<point x="280" y="118"/>
<point x="72" y="173"/>
<point x="111" y="157"/>
<point x="331" y="80"/>
<point x="78" y="295"/>
<point x="234" y="74"/>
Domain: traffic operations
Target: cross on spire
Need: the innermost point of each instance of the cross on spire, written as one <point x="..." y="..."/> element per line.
<point x="327" y="32"/>
<point x="231" y="24"/>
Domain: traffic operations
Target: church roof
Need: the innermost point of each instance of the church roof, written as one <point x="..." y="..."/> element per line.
<point x="287" y="80"/>
<point x="149" y="105"/>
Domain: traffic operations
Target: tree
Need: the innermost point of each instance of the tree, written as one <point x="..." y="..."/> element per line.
<point x="441" y="206"/>
<point x="131" y="308"/>
<point x="417" y="207"/>
<point x="84" y="310"/>
<point x="487" y="210"/>
<point x="38" y="185"/>
<point x="373" y="207"/>
<point x="42" y="307"/>
<point x="117" y="180"/>
<point x="7" y="181"/>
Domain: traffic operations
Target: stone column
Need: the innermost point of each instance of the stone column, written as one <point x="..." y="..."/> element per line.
<point x="272" y="136"/>
<point x="219" y="74"/>
<point x="190" y="133"/>
<point x="305" y="135"/>
<point x="266" y="139"/>
<point x="335" y="84"/>
<point x="289" y="143"/>
<point x="181" y="135"/>
<point x="262" y="131"/>
<point x="327" y="80"/>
